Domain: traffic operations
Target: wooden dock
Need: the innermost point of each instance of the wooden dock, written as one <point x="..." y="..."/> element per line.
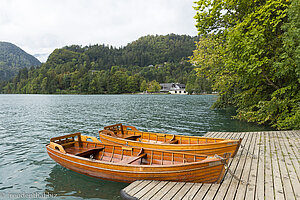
<point x="268" y="165"/>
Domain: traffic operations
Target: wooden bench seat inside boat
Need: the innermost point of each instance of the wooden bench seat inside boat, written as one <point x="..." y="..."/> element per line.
<point x="89" y="152"/>
<point x="171" y="142"/>
<point x="132" y="159"/>
<point x="132" y="137"/>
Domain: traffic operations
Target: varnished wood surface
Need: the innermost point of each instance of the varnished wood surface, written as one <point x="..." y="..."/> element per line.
<point x="273" y="173"/>
<point x="120" y="134"/>
<point x="128" y="164"/>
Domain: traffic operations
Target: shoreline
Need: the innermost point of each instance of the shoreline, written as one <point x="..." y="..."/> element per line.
<point x="139" y="93"/>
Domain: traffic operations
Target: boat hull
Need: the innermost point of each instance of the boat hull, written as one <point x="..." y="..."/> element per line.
<point x="192" y="172"/>
<point x="207" y="149"/>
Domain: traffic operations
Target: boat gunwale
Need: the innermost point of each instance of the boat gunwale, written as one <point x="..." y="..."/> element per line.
<point x="163" y="134"/>
<point x="181" y="135"/>
<point x="235" y="142"/>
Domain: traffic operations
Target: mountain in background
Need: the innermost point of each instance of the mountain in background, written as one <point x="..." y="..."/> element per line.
<point x="12" y="59"/>
<point x="103" y="69"/>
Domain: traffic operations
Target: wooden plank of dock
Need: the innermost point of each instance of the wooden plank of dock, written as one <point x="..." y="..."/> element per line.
<point x="268" y="164"/>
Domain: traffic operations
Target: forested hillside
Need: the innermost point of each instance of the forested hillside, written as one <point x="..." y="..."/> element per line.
<point x="12" y="58"/>
<point x="98" y="69"/>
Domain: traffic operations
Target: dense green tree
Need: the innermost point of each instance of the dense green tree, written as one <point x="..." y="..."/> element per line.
<point x="198" y="84"/>
<point x="118" y="82"/>
<point x="44" y="84"/>
<point x="133" y="83"/>
<point x="153" y="86"/>
<point x="248" y="50"/>
<point x="144" y="86"/>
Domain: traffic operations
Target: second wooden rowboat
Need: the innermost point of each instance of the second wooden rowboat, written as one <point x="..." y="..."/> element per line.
<point x="128" y="164"/>
<point x="120" y="134"/>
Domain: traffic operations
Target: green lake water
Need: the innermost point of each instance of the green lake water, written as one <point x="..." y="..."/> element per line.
<point x="27" y="122"/>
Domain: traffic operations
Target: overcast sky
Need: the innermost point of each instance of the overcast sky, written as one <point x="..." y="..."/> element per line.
<point x="40" y="26"/>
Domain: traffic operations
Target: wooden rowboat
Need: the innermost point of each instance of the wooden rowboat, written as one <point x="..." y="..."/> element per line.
<point x="127" y="164"/>
<point x="128" y="135"/>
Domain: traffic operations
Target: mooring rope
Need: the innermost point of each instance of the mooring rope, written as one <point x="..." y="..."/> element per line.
<point x="251" y="154"/>
<point x="231" y="172"/>
<point x="235" y="176"/>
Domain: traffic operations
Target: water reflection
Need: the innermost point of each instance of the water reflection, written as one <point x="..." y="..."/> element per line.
<point x="64" y="182"/>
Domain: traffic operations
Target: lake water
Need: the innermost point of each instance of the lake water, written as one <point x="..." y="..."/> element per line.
<point x="27" y="122"/>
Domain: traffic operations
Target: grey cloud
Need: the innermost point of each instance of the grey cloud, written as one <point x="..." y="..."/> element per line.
<point x="40" y="26"/>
